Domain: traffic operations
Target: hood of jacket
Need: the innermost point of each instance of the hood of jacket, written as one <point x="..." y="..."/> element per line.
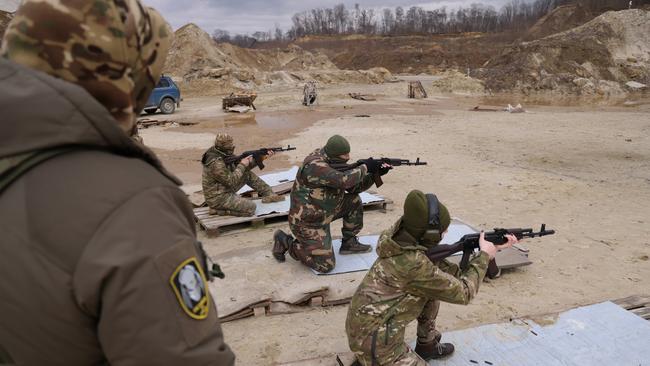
<point x="390" y="245"/>
<point x="41" y="113"/>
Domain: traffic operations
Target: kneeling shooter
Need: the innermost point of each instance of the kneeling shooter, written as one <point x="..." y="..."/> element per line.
<point x="404" y="285"/>
<point x="320" y="195"/>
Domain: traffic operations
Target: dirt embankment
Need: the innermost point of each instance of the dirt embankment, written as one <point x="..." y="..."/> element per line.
<point x="608" y="56"/>
<point x="208" y="67"/>
<point x="409" y="54"/>
<point x="562" y="18"/>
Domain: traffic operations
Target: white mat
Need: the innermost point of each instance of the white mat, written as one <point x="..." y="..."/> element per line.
<point x="274" y="179"/>
<point x="269" y="208"/>
<point x="363" y="262"/>
<point x="283" y="206"/>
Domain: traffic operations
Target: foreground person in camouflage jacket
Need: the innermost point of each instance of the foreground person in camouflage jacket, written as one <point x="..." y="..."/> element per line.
<point x="404" y="285"/>
<point x="319" y="196"/>
<point x="222" y="181"/>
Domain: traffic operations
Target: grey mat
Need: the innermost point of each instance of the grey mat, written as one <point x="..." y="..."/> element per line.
<point x="594" y="335"/>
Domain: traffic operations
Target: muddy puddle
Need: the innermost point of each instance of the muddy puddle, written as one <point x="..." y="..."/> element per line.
<point x="180" y="148"/>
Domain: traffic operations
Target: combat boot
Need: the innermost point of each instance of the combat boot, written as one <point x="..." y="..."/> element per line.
<point x="433" y="349"/>
<point x="282" y="243"/>
<point x="352" y="246"/>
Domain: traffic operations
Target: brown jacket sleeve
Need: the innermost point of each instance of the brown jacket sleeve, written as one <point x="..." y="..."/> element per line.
<point x="128" y="280"/>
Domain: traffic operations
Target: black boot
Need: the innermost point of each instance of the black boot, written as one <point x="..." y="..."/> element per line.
<point x="352" y="246"/>
<point x="281" y="244"/>
<point x="433" y="350"/>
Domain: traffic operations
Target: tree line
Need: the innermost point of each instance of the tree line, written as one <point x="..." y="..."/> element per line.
<point x="516" y="15"/>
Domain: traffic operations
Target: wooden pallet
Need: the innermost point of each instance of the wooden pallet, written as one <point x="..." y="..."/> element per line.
<point x="215" y="225"/>
<point x="238" y="99"/>
<point x="637" y="304"/>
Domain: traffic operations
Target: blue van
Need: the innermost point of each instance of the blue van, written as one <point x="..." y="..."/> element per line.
<point x="165" y="96"/>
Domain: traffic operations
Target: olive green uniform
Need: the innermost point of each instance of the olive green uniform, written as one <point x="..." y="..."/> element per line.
<point x="404" y="285"/>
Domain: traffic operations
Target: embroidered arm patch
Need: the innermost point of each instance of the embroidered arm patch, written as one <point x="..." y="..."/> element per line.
<point x="189" y="284"/>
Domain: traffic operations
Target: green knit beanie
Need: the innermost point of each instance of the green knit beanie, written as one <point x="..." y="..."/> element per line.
<point x="416" y="214"/>
<point x="337" y="146"/>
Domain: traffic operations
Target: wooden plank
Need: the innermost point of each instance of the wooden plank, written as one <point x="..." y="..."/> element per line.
<point x="633" y="302"/>
<point x="642" y="312"/>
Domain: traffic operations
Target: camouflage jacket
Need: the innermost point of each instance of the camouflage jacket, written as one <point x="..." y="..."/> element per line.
<point x="319" y="189"/>
<point x="401" y="281"/>
<point x="221" y="179"/>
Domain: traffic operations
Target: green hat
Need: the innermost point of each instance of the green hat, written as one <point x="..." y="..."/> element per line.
<point x="336" y="146"/>
<point x="416" y="215"/>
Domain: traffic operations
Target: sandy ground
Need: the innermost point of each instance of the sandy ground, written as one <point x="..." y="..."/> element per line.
<point x="582" y="170"/>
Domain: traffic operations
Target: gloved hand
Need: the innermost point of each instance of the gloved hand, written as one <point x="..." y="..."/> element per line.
<point x="272" y="198"/>
<point x="373" y="165"/>
<point x="383" y="170"/>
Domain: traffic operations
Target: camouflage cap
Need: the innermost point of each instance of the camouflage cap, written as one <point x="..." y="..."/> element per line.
<point x="224" y="142"/>
<point x="115" y="49"/>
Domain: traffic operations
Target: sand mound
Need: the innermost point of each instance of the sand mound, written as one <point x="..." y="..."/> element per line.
<point x="210" y="67"/>
<point x="562" y="18"/>
<point x="597" y="58"/>
<point x="456" y="82"/>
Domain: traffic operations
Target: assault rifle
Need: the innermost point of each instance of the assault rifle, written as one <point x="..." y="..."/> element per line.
<point x="258" y="155"/>
<point x="376" y="176"/>
<point x="469" y="243"/>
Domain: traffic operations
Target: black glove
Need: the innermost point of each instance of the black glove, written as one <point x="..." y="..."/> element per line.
<point x="384" y="171"/>
<point x="373" y="165"/>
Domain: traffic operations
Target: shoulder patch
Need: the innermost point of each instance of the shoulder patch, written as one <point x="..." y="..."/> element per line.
<point x="189" y="284"/>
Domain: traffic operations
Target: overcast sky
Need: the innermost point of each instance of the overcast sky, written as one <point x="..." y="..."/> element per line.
<point x="248" y="16"/>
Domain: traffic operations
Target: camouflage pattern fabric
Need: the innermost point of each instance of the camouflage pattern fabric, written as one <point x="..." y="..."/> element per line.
<point x="224" y="142"/>
<point x="113" y="49"/>
<point x="403" y="285"/>
<point x="320" y="195"/>
<point x="313" y="245"/>
<point x="221" y="183"/>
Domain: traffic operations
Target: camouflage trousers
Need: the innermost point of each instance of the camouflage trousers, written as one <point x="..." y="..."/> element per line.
<point x="386" y="345"/>
<point x="232" y="204"/>
<point x="313" y="244"/>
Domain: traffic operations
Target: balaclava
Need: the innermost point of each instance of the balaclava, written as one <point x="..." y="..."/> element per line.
<point x="114" y="49"/>
<point x="416" y="218"/>
<point x="224" y="143"/>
